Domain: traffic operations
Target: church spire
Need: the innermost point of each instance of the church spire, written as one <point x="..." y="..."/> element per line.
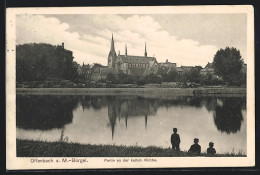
<point x="112" y="49"/>
<point x="112" y="55"/>
<point x="145" y="52"/>
<point x="125" y="50"/>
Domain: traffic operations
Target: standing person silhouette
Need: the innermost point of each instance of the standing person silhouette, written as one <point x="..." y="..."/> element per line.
<point x="211" y="150"/>
<point x="175" y="140"/>
<point x="195" y="149"/>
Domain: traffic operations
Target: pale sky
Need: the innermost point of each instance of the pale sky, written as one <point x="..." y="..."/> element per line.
<point x="185" y="39"/>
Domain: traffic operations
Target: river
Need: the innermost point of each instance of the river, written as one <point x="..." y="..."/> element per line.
<point x="134" y="120"/>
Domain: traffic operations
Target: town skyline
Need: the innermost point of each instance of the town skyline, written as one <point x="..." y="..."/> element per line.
<point x="166" y="36"/>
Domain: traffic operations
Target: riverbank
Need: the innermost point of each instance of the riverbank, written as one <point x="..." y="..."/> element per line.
<point x="146" y="92"/>
<point x="29" y="148"/>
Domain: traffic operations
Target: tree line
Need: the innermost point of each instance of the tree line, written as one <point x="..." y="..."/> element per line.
<point x="227" y="64"/>
<point x="39" y="62"/>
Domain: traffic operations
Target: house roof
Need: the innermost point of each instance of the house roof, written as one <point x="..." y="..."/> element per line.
<point x="168" y="64"/>
<point x="86" y="66"/>
<point x="209" y="65"/>
<point x="186" y="68"/>
<point x="147" y="71"/>
<point x="162" y="69"/>
<point x="203" y="70"/>
<point x="104" y="70"/>
<point x="178" y="69"/>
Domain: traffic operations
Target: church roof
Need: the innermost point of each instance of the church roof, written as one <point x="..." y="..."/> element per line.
<point x="136" y="59"/>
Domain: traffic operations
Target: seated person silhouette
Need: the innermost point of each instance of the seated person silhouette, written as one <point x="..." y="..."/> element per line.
<point x="211" y="150"/>
<point x="175" y="140"/>
<point x="195" y="149"/>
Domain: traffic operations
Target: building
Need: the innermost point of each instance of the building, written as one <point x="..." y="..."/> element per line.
<point x="85" y="71"/>
<point x="94" y="72"/>
<point x="244" y="69"/>
<point x="179" y="70"/>
<point x="124" y="63"/>
<point x="208" y="70"/>
<point x="129" y="64"/>
<point x="167" y="64"/>
<point x="186" y="68"/>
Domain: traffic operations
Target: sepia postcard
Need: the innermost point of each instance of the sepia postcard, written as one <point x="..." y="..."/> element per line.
<point x="130" y="87"/>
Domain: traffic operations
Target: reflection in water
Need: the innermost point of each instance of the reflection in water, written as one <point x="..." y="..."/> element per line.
<point x="47" y="112"/>
<point x="124" y="107"/>
<point x="44" y="112"/>
<point x="228" y="117"/>
<point x="96" y="119"/>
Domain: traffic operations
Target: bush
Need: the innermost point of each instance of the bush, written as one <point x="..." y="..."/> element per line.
<point x="152" y="78"/>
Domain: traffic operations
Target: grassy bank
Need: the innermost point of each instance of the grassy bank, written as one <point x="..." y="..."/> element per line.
<point x="29" y="148"/>
<point x="145" y="92"/>
<point x="154" y="92"/>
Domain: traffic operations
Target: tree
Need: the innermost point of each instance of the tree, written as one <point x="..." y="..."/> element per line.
<point x="38" y="62"/>
<point x="111" y="77"/>
<point x="228" y="117"/>
<point x="227" y="64"/>
<point x="152" y="78"/>
<point x="193" y="74"/>
<point x="171" y="76"/>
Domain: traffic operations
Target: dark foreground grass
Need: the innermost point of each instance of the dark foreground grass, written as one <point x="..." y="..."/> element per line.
<point x="29" y="148"/>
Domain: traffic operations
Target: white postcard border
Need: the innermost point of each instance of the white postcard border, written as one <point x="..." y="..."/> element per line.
<point x="16" y="163"/>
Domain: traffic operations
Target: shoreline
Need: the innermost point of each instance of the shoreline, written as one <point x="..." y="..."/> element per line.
<point x="30" y="148"/>
<point x="146" y="92"/>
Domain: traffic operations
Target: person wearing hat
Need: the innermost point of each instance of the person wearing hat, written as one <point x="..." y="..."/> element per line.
<point x="195" y="148"/>
<point x="211" y="150"/>
<point x="175" y="140"/>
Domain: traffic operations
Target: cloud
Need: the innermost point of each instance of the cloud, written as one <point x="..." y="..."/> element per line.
<point x="93" y="44"/>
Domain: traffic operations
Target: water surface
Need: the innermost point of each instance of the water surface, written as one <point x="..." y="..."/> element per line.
<point x="134" y="120"/>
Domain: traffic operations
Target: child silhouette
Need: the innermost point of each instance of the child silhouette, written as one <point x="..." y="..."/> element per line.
<point x="211" y="150"/>
<point x="175" y="140"/>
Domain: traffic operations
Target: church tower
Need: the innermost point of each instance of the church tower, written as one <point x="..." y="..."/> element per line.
<point x="145" y="52"/>
<point x="125" y="50"/>
<point x="112" y="55"/>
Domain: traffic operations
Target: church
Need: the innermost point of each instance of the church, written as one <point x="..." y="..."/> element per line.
<point x="130" y="64"/>
<point x="124" y="63"/>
